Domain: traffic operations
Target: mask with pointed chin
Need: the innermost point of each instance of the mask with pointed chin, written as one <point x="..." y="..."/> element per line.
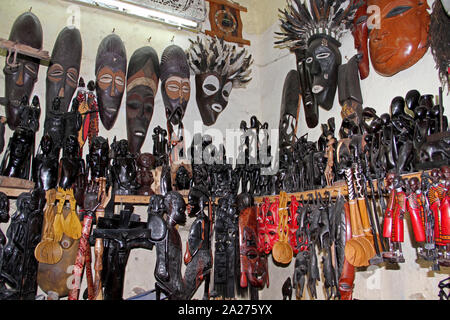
<point x="402" y="38"/>
<point x="110" y="72"/>
<point x="64" y="68"/>
<point x="213" y="92"/>
<point x="360" y="33"/>
<point x="142" y="86"/>
<point x="175" y="83"/>
<point x="322" y="61"/>
<point x="21" y="77"/>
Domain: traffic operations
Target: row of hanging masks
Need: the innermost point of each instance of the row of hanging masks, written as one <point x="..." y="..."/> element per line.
<point x="223" y="68"/>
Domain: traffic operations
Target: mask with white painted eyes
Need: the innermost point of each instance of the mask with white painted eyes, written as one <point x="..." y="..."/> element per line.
<point x="322" y="61"/>
<point x="175" y="83"/>
<point x="213" y="93"/>
<point x="21" y="73"/>
<point x="64" y="68"/>
<point x="142" y="86"/>
<point x="110" y="72"/>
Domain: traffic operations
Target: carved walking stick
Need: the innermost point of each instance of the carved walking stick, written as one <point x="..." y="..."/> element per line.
<point x="98" y="249"/>
<point x="347" y="276"/>
<point x="81" y="255"/>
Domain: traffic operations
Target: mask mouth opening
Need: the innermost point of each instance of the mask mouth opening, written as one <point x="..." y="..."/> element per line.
<point x="317" y="89"/>
<point x="217" y="108"/>
<point x="139" y="133"/>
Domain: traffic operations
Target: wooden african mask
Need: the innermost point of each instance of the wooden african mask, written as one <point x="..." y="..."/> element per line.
<point x="21" y="75"/>
<point x="175" y="83"/>
<point x="218" y="67"/>
<point x="64" y="68"/>
<point x="213" y="92"/>
<point x="289" y="109"/>
<point x="254" y="268"/>
<point x="110" y="73"/>
<point x="142" y="85"/>
<point x="360" y="33"/>
<point x="323" y="59"/>
<point x="401" y="40"/>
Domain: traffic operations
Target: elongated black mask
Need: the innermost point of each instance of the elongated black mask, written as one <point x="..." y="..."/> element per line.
<point x="289" y="108"/>
<point x="64" y="68"/>
<point x="21" y="74"/>
<point x="322" y="61"/>
<point x="110" y="73"/>
<point x="142" y="85"/>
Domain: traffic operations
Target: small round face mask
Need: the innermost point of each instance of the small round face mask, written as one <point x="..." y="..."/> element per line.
<point x="21" y="73"/>
<point x="64" y="68"/>
<point x="110" y="71"/>
<point x="213" y="93"/>
<point x="142" y="85"/>
<point x="401" y="39"/>
<point x="322" y="61"/>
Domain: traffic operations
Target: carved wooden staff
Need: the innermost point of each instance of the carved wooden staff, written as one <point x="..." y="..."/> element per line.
<point x="347" y="276"/>
<point x="98" y="249"/>
<point x="81" y="255"/>
<point x="84" y="246"/>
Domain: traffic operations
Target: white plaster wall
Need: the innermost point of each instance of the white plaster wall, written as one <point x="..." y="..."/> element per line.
<point x="261" y="98"/>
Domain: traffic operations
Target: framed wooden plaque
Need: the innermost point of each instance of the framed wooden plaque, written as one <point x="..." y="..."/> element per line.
<point x="226" y="23"/>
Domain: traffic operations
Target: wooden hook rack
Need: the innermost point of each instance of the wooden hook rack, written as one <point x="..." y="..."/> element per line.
<point x="338" y="188"/>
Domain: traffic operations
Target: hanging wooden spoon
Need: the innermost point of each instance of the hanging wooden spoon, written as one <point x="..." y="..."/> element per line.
<point x="282" y="251"/>
<point x="48" y="250"/>
<point x="358" y="250"/>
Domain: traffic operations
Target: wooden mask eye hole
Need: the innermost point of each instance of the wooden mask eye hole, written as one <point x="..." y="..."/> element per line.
<point x="211" y="85"/>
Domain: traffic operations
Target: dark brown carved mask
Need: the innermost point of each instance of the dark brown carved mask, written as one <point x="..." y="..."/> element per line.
<point x="322" y="61"/>
<point x="142" y="86"/>
<point x="401" y="40"/>
<point x="21" y="76"/>
<point x="64" y="68"/>
<point x="110" y="73"/>
<point x="212" y="95"/>
<point x="360" y="33"/>
<point x="175" y="83"/>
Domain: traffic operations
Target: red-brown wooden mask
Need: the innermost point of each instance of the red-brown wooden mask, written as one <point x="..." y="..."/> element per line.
<point x="401" y="39"/>
<point x="360" y="33"/>
<point x="254" y="268"/>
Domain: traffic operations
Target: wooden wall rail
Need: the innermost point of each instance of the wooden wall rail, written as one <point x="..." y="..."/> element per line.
<point x="338" y="188"/>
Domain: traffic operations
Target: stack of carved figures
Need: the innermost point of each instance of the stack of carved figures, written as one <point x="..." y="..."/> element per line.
<point x="343" y="198"/>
